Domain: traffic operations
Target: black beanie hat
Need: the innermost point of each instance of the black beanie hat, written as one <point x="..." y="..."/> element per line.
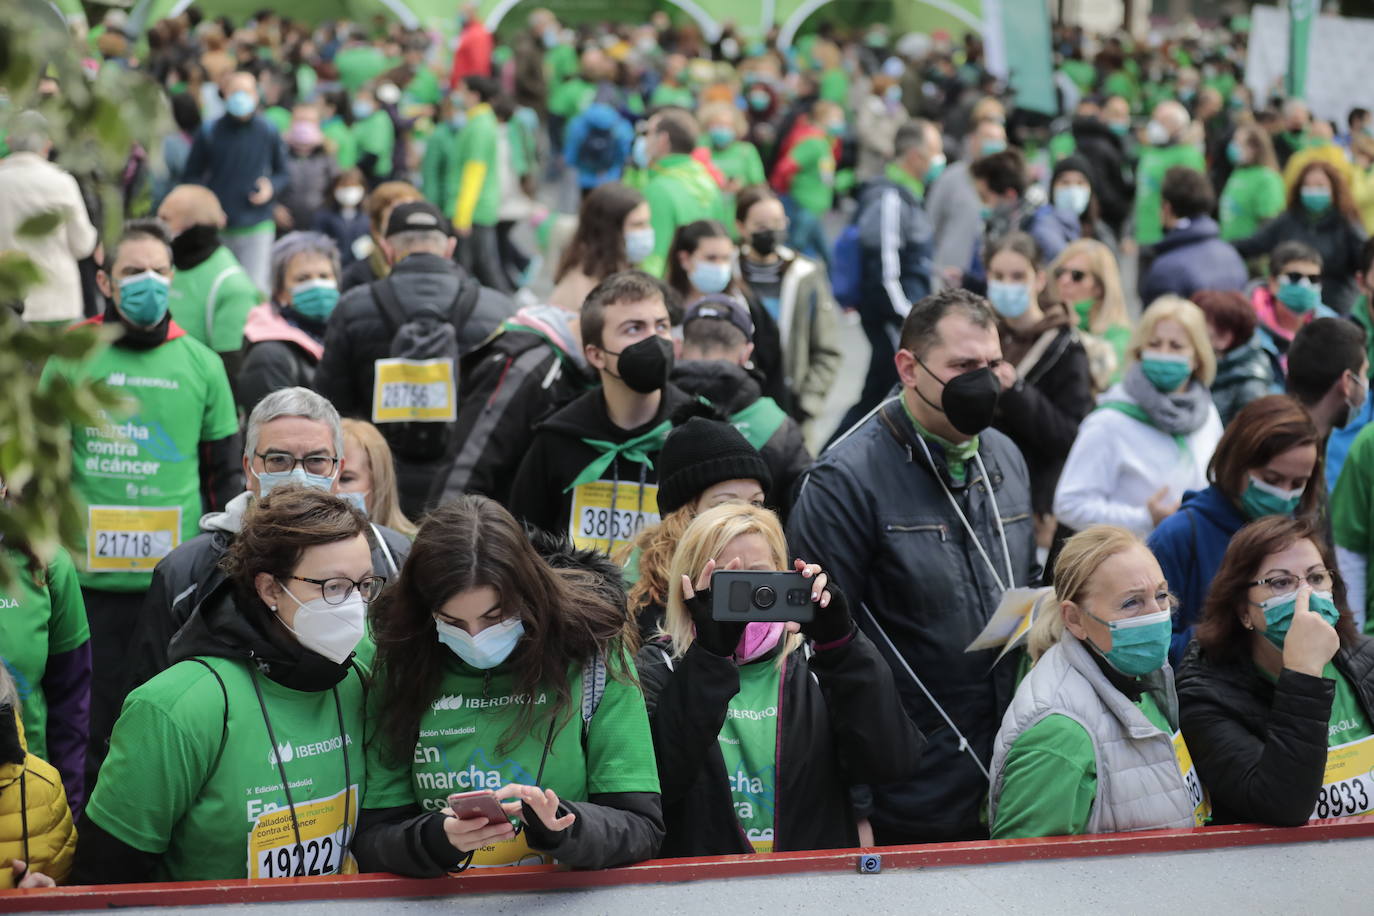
<point x="700" y="453"/>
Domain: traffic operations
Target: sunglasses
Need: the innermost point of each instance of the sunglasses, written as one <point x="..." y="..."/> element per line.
<point x="1296" y="276"/>
<point x="1077" y="276"/>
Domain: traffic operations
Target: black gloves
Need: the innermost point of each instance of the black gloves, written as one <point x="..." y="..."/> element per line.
<point x="715" y="636"/>
<point x="832" y="623"/>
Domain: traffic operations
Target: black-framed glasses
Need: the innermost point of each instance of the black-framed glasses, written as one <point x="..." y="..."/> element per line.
<point x="336" y="589"/>
<point x="1077" y="276"/>
<point x="1287" y="583"/>
<point x="1297" y="276"/>
<point x="285" y="463"/>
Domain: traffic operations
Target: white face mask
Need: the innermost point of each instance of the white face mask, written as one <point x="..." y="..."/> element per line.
<point x="330" y="630"/>
<point x="349" y="196"/>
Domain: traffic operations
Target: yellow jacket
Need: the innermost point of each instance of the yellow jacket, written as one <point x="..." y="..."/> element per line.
<point x="35" y="822"/>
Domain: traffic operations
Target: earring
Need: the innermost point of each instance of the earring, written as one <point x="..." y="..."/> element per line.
<point x="274" y="609"/>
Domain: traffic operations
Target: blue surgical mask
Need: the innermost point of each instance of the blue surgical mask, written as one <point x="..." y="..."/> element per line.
<point x="991" y="147"/>
<point x="1301" y="297"/>
<point x="1120" y="128"/>
<point x="721" y="137"/>
<point x="639" y="152"/>
<point x="488" y="648"/>
<point x="1072" y="198"/>
<point x="639" y="244"/>
<point x="1139" y="644"/>
<point x="759" y="100"/>
<point x="315" y="299"/>
<point x="143" y="298"/>
<point x="893" y="94"/>
<point x="355" y="498"/>
<point x="458" y="120"/>
<point x="1010" y="299"/>
<point x="710" y="277"/>
<point x="1166" y="371"/>
<point x="1279" y="610"/>
<point x="936" y="169"/>
<point x="270" y="480"/>
<point x="1316" y="200"/>
<point x="1235" y="153"/>
<point x="1261" y="499"/>
<point x="363" y="110"/>
<point x="241" y="104"/>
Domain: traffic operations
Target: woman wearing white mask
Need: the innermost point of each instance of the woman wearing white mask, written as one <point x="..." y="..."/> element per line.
<point x="245" y="758"/>
<point x="701" y="262"/>
<point x="502" y="676"/>
<point x="1153" y="434"/>
<point x="1046" y="382"/>
<point x="1090" y="742"/>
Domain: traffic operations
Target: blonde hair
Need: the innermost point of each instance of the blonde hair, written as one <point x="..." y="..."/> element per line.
<point x="384" y="495"/>
<point x="716" y="110"/>
<point x="1078" y="561"/>
<point x="1194" y="324"/>
<point x="1110" y="310"/>
<point x="656" y="545"/>
<point x="704" y="539"/>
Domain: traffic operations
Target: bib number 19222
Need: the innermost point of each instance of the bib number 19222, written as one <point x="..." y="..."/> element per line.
<point x="312" y="857"/>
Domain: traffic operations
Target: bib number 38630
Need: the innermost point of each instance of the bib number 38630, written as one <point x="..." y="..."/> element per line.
<point x="605" y="515"/>
<point x="1348" y="784"/>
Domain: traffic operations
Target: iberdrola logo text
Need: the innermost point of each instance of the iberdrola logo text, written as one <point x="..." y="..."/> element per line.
<point x="458" y="701"/>
<point x="285" y="753"/>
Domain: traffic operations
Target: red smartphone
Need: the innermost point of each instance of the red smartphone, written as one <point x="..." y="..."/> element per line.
<point x="481" y="803"/>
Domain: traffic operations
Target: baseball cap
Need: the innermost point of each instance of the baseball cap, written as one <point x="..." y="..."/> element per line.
<point x="722" y="308"/>
<point x="415" y="216"/>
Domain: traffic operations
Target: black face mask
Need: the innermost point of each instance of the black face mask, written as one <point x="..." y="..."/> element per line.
<point x="969" y="399"/>
<point x="645" y="365"/>
<point x="765" y="241"/>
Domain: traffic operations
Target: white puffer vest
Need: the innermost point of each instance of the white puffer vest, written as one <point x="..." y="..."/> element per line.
<point x="1139" y="785"/>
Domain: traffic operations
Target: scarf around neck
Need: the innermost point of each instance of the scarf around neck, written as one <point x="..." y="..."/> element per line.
<point x="1178" y="414"/>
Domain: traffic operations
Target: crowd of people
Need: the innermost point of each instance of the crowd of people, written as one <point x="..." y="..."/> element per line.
<point x="401" y="556"/>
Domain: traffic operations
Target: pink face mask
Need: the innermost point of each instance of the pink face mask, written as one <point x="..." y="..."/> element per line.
<point x="758" y="640"/>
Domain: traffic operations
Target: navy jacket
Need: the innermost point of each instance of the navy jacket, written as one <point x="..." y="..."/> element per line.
<point x="1190" y="259"/>
<point x="896" y="244"/>
<point x="1189" y="546"/>
<point x="229" y="157"/>
<point x="1052" y="230"/>
<point x="342" y="229"/>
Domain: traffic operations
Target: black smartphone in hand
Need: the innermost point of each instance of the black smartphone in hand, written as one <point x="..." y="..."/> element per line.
<point x="748" y="596"/>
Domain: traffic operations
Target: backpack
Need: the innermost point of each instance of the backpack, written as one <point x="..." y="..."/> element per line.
<point x="415" y="389"/>
<point x="846" y="267"/>
<point x="597" y="150"/>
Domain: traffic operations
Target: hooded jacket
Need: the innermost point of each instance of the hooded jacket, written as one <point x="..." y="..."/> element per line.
<point x="840" y="721"/>
<point x="1192" y="258"/>
<point x="733" y="390"/>
<point x="540" y="493"/>
<point x="874" y="512"/>
<point x="1112" y="173"/>
<point x="531" y="368"/>
<point x="1053" y="229"/>
<point x="282" y="350"/>
<point x="192" y="571"/>
<point x="1337" y="240"/>
<point x="1244" y="373"/>
<point x="1260" y="745"/>
<point x="1190" y="545"/>
<point x="35" y="822"/>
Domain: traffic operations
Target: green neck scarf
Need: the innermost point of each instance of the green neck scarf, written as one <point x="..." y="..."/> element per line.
<point x="898" y="175"/>
<point x="957" y="454"/>
<point x="636" y="449"/>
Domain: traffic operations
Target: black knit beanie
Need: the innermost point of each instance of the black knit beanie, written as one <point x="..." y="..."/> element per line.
<point x="700" y="453"/>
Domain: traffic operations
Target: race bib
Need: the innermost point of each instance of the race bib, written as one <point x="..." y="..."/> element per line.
<point x="511" y="852"/>
<point x="1348" y="786"/>
<point x="274" y="853"/>
<point x="414" y="391"/>
<point x="1202" y="805"/>
<point x="598" y="525"/>
<point x="130" y="538"/>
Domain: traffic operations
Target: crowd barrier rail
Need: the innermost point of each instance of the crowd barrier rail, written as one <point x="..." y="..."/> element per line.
<point x="538" y="878"/>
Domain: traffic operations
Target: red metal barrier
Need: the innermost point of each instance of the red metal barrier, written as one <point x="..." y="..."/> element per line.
<point x="548" y="878"/>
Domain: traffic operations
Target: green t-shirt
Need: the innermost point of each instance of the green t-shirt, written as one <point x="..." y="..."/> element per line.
<point x="211" y="301"/>
<point x="359" y="64"/>
<point x="459" y="749"/>
<point x="570" y="99"/>
<point x="138" y="474"/>
<point x="1253" y="195"/>
<point x="161" y="790"/>
<point x="423" y="88"/>
<point x="748" y="742"/>
<point x="835" y="86"/>
<point x="680" y="96"/>
<point x="40" y="619"/>
<point x="376" y="134"/>
<point x="740" y="161"/>
<point x="1049" y="779"/>
<point x="1155" y="161"/>
<point x="678" y="190"/>
<point x="439" y="169"/>
<point x="813" y="186"/>
<point x="476" y="161"/>
<point x="278" y="117"/>
<point x="1082" y="72"/>
<point x="1352" y="507"/>
<point x="340" y="141"/>
<point x="561" y="63"/>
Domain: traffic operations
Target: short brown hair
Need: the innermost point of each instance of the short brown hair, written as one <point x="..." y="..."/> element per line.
<point x="920" y="329"/>
<point x="618" y="288"/>
<point x="1264" y="428"/>
<point x="1229" y="311"/>
<point x="1221" y="634"/>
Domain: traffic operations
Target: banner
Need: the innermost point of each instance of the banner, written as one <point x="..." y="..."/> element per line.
<point x="1342" y="46"/>
<point x="1300" y="16"/>
<point x="1016" y="41"/>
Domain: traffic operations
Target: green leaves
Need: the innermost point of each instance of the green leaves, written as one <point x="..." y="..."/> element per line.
<point x="41" y="224"/>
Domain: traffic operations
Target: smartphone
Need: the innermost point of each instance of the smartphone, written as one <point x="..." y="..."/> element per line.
<point x="743" y="596"/>
<point x="481" y="803"/>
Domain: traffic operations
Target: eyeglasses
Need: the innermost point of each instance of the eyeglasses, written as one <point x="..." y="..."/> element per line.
<point x="1287" y="583"/>
<point x="1297" y="276"/>
<point x="285" y="463"/>
<point x="336" y="589"/>
<point x="1077" y="276"/>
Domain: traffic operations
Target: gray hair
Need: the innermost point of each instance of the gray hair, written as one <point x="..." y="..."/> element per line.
<point x="28" y="133"/>
<point x="292" y="402"/>
<point x="913" y="135"/>
<point x="411" y="241"/>
<point x="295" y="243"/>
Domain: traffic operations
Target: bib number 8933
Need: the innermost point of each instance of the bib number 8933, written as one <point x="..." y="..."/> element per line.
<point x="1340" y="798"/>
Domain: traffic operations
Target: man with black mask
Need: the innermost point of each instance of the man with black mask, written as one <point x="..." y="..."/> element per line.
<point x="923" y="513"/>
<point x="590" y="470"/>
<point x="211" y="294"/>
<point x="146" y="474"/>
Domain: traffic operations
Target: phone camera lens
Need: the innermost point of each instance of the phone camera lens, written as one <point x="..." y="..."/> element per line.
<point x="765" y="597"/>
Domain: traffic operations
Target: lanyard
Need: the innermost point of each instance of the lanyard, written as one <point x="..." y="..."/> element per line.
<point x="996" y="514"/>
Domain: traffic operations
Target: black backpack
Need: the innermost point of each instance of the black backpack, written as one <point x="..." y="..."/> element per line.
<point x="415" y="388"/>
